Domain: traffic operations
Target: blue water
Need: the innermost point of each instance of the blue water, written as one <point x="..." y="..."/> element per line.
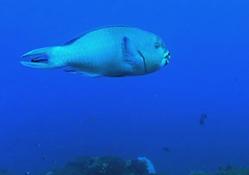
<point x="50" y="117"/>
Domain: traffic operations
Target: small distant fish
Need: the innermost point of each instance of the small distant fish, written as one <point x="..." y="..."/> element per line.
<point x="203" y="119"/>
<point x="43" y="157"/>
<point x="166" y="149"/>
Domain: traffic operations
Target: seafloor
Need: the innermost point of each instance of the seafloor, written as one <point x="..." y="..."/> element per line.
<point x="109" y="165"/>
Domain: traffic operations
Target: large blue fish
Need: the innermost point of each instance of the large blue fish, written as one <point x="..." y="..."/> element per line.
<point x="111" y="51"/>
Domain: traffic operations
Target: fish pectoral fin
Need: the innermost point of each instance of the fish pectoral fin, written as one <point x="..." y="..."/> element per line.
<point x="130" y="53"/>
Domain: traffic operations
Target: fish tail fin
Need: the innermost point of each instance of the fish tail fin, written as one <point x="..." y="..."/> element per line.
<point x="43" y="58"/>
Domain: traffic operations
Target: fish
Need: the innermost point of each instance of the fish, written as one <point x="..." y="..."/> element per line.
<point x="166" y="149"/>
<point x="116" y="51"/>
<point x="203" y="119"/>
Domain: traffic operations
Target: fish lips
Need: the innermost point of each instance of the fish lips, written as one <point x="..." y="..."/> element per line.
<point x="167" y="57"/>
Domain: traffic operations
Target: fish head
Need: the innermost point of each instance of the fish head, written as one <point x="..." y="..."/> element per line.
<point x="156" y="54"/>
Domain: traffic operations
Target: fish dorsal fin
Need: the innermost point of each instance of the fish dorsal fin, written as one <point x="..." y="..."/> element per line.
<point x="72" y="41"/>
<point x="92" y="30"/>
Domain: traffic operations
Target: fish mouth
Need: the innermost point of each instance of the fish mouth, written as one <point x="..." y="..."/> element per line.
<point x="167" y="57"/>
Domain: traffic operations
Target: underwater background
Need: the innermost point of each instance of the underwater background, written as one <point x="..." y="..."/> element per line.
<point x="49" y="117"/>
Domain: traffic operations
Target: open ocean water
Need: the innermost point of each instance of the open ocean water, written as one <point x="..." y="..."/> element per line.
<point x="192" y="115"/>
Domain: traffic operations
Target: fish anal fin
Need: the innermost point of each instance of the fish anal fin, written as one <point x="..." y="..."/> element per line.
<point x="76" y="71"/>
<point x="93" y="75"/>
<point x="70" y="70"/>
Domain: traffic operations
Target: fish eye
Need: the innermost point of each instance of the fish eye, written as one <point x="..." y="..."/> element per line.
<point x="157" y="45"/>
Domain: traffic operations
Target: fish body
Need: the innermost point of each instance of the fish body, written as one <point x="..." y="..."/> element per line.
<point x="203" y="119"/>
<point x="112" y="51"/>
